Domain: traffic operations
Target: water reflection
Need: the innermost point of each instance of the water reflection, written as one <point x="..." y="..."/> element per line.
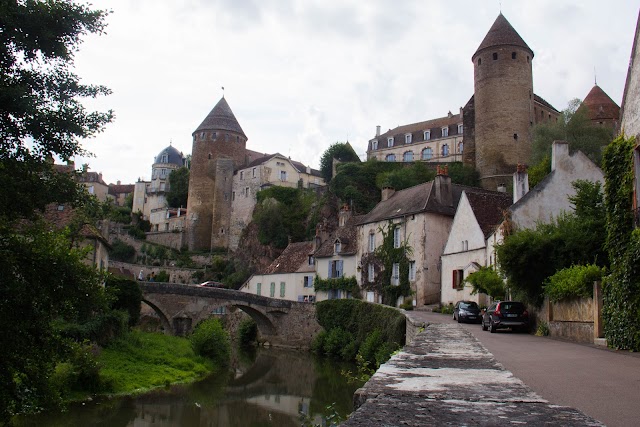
<point x="265" y="387"/>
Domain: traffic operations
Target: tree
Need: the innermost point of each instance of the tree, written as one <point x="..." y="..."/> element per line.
<point x="41" y="115"/>
<point x="178" y="188"/>
<point x="341" y="151"/>
<point x="487" y="281"/>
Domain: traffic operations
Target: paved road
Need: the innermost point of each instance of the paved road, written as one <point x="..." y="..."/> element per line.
<point x="602" y="383"/>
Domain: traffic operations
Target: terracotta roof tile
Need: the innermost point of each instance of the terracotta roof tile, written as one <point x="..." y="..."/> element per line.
<point x="600" y="106"/>
<point x="294" y="258"/>
<point x="502" y="33"/>
<point x="489" y="208"/>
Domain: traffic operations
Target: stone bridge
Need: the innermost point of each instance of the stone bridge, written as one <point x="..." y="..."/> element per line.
<point x="281" y="323"/>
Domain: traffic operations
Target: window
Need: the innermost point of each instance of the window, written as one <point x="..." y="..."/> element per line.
<point x="253" y="172"/>
<point x="390" y="142"/>
<point x="272" y="290"/>
<point x="458" y="276"/>
<point x="165" y="158"/>
<point x="445" y="150"/>
<point x="162" y="186"/>
<point x="335" y="269"/>
<point x="495" y="56"/>
<point x="460" y="147"/>
<point x="233" y="196"/>
<point x="407" y="138"/>
<point x="396" y="237"/>
<point x="465" y="245"/>
<point x="408" y="156"/>
<point x="412" y="271"/>
<point x="91" y="190"/>
<point x="226" y="137"/>
<point x="307" y="281"/>
<point x="513" y="55"/>
<point x="241" y="176"/>
<point x="372" y="242"/>
<point x="445" y="131"/>
<point x="246" y="191"/>
<point x="282" y="289"/>
<point x="371" y="272"/>
<point x="427" y="153"/>
<point x="374" y="145"/>
<point x="427" y="135"/>
<point x="337" y="246"/>
<point x="215" y="135"/>
<point x="311" y="260"/>
<point x="237" y="139"/>
<point x="395" y="274"/>
<point x="390" y="158"/>
<point x="279" y="163"/>
<point x="479" y="61"/>
<point x="460" y="129"/>
<point x="258" y="288"/>
<point x="283" y="175"/>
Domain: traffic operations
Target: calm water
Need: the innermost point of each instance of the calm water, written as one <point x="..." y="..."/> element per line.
<point x="267" y="388"/>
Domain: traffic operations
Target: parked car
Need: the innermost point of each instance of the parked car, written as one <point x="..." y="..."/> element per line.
<point x="506" y="314"/>
<point x="212" y="284"/>
<point x="467" y="311"/>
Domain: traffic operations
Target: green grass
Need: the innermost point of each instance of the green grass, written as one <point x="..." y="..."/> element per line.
<point x="141" y="361"/>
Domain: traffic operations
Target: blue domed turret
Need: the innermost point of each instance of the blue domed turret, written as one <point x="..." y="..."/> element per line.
<point x="170" y="156"/>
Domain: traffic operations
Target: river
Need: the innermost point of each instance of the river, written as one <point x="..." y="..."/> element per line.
<point x="264" y="387"/>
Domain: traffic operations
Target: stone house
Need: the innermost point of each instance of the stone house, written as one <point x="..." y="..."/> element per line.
<point x="336" y="255"/>
<point x="477" y="216"/>
<point x="261" y="173"/>
<point x="119" y="192"/>
<point x="94" y="184"/>
<point x="421" y="216"/>
<point x="290" y="276"/>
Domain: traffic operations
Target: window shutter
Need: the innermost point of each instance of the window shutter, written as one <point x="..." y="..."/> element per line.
<point x="339" y="268"/>
<point x="329" y="273"/>
<point x="455" y="278"/>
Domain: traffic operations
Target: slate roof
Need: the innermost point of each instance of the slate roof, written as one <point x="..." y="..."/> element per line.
<point x="433" y="125"/>
<point x="221" y="118"/>
<point x="502" y="33"/>
<point x="348" y="236"/>
<point x="174" y="156"/>
<point x="542" y="101"/>
<point x="489" y="209"/>
<point x="417" y="199"/>
<point x="293" y="259"/>
<point x="600" y="106"/>
<point x="115" y="189"/>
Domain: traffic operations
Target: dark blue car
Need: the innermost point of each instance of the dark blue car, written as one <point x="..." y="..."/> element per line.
<point x="467" y="311"/>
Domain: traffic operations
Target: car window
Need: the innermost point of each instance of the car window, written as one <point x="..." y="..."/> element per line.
<point x="512" y="306"/>
<point x="468" y="305"/>
<point x="492" y="307"/>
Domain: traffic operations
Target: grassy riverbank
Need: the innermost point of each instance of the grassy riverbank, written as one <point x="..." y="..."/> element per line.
<point x="141" y="361"/>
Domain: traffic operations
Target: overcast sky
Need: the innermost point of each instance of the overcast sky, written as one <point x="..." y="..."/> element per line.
<point x="302" y="74"/>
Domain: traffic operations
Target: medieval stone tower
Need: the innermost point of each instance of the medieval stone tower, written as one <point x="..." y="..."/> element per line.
<point x="219" y="147"/>
<point x="503" y="105"/>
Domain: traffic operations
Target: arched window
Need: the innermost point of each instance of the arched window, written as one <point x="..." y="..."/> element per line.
<point x="374" y="145"/>
<point x="427" y="153"/>
<point x="445" y="150"/>
<point x="390" y="158"/>
<point x="408" y="156"/>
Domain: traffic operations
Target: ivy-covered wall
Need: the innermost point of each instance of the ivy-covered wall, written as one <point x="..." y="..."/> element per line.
<point x="621" y="311"/>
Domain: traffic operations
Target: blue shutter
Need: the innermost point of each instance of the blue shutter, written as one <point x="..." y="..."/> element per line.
<point x="329" y="273"/>
<point x="339" y="268"/>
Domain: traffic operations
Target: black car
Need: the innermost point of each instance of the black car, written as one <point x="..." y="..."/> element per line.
<point x="506" y="314"/>
<point x="467" y="311"/>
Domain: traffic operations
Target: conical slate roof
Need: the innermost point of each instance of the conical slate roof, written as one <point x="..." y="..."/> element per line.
<point x="221" y="118"/>
<point x="502" y="33"/>
<point x="600" y="105"/>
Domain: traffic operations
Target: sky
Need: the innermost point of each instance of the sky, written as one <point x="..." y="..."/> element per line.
<point x="301" y="75"/>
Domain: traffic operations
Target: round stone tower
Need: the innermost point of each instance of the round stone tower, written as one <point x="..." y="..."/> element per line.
<point x="503" y="97"/>
<point x="219" y="147"/>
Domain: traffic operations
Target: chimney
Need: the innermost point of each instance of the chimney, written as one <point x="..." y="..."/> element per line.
<point x="387" y="191"/>
<point x="378" y="130"/>
<point x="449" y="115"/>
<point x="559" y="151"/>
<point x="520" y="182"/>
<point x="442" y="185"/>
<point x="308" y="170"/>
<point x="344" y="215"/>
<point x="118" y="182"/>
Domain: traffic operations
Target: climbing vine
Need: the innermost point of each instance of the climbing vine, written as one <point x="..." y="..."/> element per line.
<point x="383" y="259"/>
<point x="621" y="311"/>
<point x="348" y="284"/>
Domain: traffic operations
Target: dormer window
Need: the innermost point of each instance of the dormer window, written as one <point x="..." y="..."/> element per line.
<point x="337" y="246"/>
<point x="407" y="138"/>
<point x="427" y="135"/>
<point x="460" y="129"/>
<point x="374" y="145"/>
<point x="390" y="142"/>
<point x="165" y="158"/>
<point x="445" y="131"/>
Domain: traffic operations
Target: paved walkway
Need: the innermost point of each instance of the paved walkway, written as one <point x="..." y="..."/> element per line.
<point x="447" y="377"/>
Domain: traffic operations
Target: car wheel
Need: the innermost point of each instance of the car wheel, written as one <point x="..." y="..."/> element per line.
<point x="454" y="315"/>
<point x="492" y="327"/>
<point x="484" y="327"/>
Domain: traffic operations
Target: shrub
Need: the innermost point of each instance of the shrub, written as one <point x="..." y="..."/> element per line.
<point x="335" y="341"/>
<point x="446" y="309"/>
<point x="317" y="344"/>
<point x="122" y="251"/>
<point x="543" y="329"/>
<point x="576" y="281"/>
<point x="126" y="296"/>
<point x="487" y="281"/>
<point x="162" y="276"/>
<point x="370" y="346"/>
<point x="247" y="332"/>
<point x="209" y="339"/>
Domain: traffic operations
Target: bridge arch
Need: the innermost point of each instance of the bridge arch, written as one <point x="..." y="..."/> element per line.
<point x="164" y="321"/>
<point x="265" y="326"/>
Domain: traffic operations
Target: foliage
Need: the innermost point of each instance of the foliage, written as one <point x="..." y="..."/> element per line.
<point x="445" y="309"/>
<point x="247" y="332"/>
<point x="162" y="276"/>
<point x="621" y="289"/>
<point x="209" y="339"/>
<point x="543" y="329"/>
<point x="575" y="127"/>
<point x="340" y="151"/>
<point x="79" y="374"/>
<point x="528" y="257"/>
<point x="121" y="251"/>
<point x="126" y="295"/>
<point x="121" y="214"/>
<point x="348" y="284"/>
<point x="282" y="213"/>
<point x="100" y="328"/>
<point x="178" y="188"/>
<point x="141" y="361"/>
<point x="406" y="176"/>
<point x="383" y="259"/>
<point x="232" y="272"/>
<point x="330" y="418"/>
<point x="486" y="281"/>
<point x="538" y="171"/>
<point x="128" y="201"/>
<point x="575" y="281"/>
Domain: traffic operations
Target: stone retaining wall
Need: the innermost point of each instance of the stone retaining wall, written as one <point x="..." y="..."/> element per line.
<point x="176" y="275"/>
<point x="170" y="239"/>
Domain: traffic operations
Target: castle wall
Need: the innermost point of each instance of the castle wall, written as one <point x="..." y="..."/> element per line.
<point x="503" y="111"/>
